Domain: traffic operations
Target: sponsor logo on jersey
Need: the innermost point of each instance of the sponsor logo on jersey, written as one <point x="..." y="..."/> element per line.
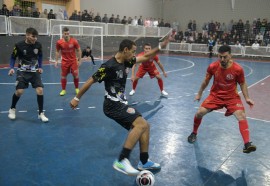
<point x="35" y="50"/>
<point x="229" y="77"/>
<point x="131" y="110"/>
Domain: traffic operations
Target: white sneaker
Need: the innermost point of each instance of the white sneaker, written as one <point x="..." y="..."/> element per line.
<point x="132" y="92"/>
<point x="164" y="93"/>
<point x="42" y="117"/>
<point x="12" y="113"/>
<point x="125" y="167"/>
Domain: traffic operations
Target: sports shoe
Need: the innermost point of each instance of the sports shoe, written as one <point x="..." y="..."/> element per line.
<point x="192" y="137"/>
<point x="77" y="90"/>
<point x="249" y="148"/>
<point x="63" y="92"/>
<point x="125" y="167"/>
<point x="164" y="93"/>
<point x="42" y="117"/>
<point x="149" y="165"/>
<point x="12" y="113"/>
<point x="132" y="92"/>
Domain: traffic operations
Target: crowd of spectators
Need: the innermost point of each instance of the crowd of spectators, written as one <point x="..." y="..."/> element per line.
<point x="236" y="32"/>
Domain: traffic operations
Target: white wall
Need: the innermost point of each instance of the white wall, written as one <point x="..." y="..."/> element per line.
<point x="146" y="8"/>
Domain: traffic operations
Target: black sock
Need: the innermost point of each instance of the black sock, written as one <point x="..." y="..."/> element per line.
<point x="40" y="103"/>
<point x="124" y="154"/>
<point x="144" y="157"/>
<point x="15" y="99"/>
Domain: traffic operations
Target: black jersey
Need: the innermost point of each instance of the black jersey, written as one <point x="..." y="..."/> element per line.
<point x="114" y="75"/>
<point x="28" y="55"/>
<point x="85" y="53"/>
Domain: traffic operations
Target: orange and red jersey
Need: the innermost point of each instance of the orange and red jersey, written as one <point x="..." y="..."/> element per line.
<point x="68" y="49"/>
<point x="225" y="80"/>
<point x="150" y="63"/>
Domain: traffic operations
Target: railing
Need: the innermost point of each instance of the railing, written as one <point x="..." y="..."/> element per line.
<point x="203" y="49"/>
<point x="14" y="25"/>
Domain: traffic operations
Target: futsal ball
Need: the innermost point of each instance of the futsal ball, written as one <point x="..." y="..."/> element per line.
<point x="145" y="178"/>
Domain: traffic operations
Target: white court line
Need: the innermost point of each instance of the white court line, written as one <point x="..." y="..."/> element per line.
<point x="187" y="74"/>
<point x="58" y="109"/>
<point x="91" y="107"/>
<point x="23" y="111"/>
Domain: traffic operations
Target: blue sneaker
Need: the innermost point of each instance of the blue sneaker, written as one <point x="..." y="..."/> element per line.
<point x="149" y="165"/>
<point x="125" y="167"/>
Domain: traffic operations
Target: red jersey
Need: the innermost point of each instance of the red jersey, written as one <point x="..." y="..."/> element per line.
<point x="67" y="49"/>
<point x="150" y="63"/>
<point x="225" y="80"/>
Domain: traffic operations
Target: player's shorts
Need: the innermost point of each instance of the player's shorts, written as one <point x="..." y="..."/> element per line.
<point x="153" y="72"/>
<point x="70" y="68"/>
<point x="24" y="78"/>
<point x="232" y="105"/>
<point x="120" y="112"/>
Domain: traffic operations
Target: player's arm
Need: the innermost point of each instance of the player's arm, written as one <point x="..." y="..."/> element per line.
<point x="12" y="61"/>
<point x="40" y="58"/>
<point x="133" y="72"/>
<point x="161" y="67"/>
<point x="244" y="90"/>
<point x="75" y="101"/>
<point x="79" y="55"/>
<point x="203" y="86"/>
<point x="57" y="53"/>
<point x="152" y="52"/>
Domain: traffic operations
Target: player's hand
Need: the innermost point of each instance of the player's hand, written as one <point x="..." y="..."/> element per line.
<point x="197" y="97"/>
<point x="165" y="74"/>
<point x="40" y="70"/>
<point x="74" y="104"/>
<point x="250" y="102"/>
<point x="165" y="42"/>
<point x="56" y="64"/>
<point x="11" y="72"/>
<point x="79" y="62"/>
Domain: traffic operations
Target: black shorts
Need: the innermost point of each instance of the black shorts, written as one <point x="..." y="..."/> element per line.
<point x="24" y="78"/>
<point x="120" y="112"/>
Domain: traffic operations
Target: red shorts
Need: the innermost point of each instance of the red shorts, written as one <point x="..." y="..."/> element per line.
<point x="153" y="72"/>
<point x="70" y="68"/>
<point x="232" y="105"/>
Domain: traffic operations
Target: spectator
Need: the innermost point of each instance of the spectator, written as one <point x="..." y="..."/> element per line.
<point x="16" y="11"/>
<point x="4" y="10"/>
<point x="255" y="45"/>
<point x="124" y="20"/>
<point x="105" y="19"/>
<point x="140" y="21"/>
<point x="134" y="21"/>
<point x="36" y="13"/>
<point x="60" y="15"/>
<point x="97" y="18"/>
<point x="44" y="14"/>
<point x="28" y="12"/>
<point x="161" y="23"/>
<point x="112" y="19"/>
<point x="117" y="20"/>
<point x="51" y="14"/>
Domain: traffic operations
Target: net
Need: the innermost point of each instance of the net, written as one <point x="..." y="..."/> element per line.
<point x="86" y="35"/>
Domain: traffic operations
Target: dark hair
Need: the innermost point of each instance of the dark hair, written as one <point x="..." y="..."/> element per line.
<point x="126" y="43"/>
<point x="88" y="47"/>
<point x="146" y="44"/>
<point x="224" y="48"/>
<point x="65" y="29"/>
<point x="32" y="31"/>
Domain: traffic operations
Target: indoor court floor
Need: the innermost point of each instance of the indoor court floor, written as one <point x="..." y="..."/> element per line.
<point x="78" y="147"/>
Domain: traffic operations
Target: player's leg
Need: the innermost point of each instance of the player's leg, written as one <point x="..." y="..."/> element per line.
<point x="65" y="69"/>
<point x="140" y="73"/>
<point x="160" y="84"/>
<point x="75" y="73"/>
<point x="239" y="112"/>
<point x="22" y="83"/>
<point x="93" y="60"/>
<point x="38" y="85"/>
<point x="197" y="122"/>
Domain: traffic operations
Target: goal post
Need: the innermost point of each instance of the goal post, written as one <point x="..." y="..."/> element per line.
<point x="85" y="35"/>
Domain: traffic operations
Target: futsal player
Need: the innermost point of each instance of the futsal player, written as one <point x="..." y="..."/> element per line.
<point x="114" y="74"/>
<point x="227" y="74"/>
<point x="29" y="54"/>
<point x="86" y="53"/>
<point x="150" y="68"/>
<point x="71" y="59"/>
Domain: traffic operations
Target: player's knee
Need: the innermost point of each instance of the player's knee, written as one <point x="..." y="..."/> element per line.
<point x="39" y="90"/>
<point x="19" y="92"/>
<point x="141" y="124"/>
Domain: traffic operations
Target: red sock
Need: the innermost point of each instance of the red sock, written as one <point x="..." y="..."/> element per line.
<point x="243" y="127"/>
<point x="197" y="122"/>
<point x="64" y="83"/>
<point x="160" y="84"/>
<point x="76" y="82"/>
<point x="134" y="85"/>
